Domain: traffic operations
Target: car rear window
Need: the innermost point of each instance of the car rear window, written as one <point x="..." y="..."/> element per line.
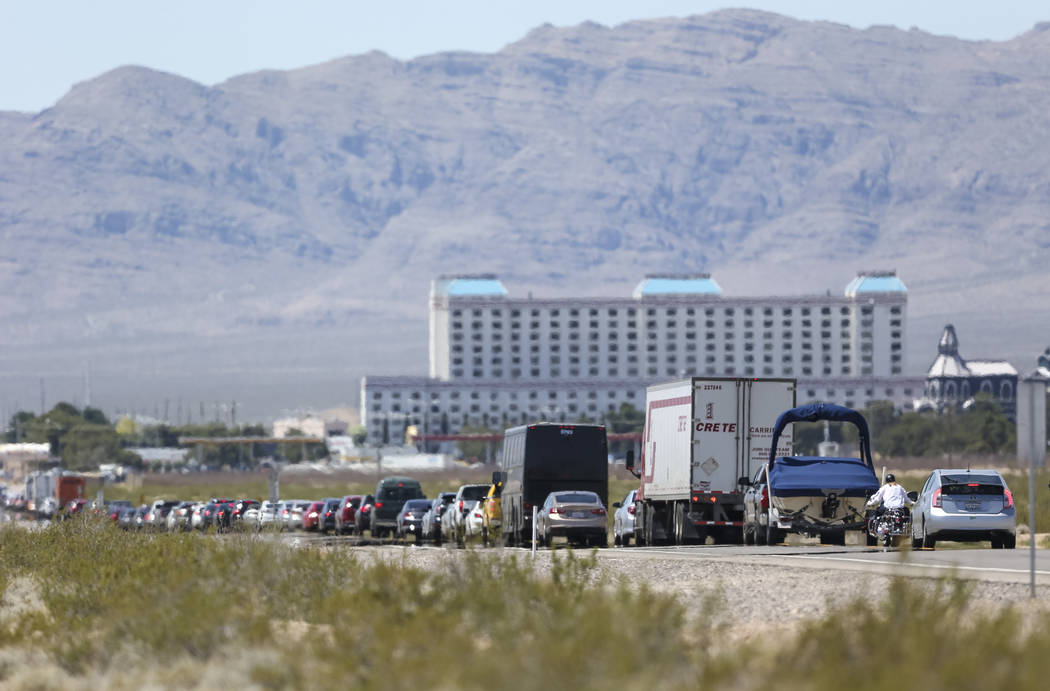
<point x="420" y="504"/>
<point x="400" y="493"/>
<point x="577" y="498"/>
<point x="475" y="492"/>
<point x="971" y="488"/>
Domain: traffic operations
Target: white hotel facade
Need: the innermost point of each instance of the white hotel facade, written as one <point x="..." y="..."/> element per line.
<point x="498" y="361"/>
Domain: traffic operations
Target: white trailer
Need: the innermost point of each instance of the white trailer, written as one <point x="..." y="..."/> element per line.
<point x="703" y="441"/>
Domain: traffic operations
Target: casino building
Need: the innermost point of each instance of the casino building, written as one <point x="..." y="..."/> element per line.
<point x="498" y="360"/>
<point x="951" y="380"/>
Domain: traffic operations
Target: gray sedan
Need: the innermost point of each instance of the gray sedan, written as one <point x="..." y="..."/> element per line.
<point x="577" y="515"/>
<point x="964" y="506"/>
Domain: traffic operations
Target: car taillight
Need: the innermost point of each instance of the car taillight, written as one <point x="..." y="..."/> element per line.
<point x="1008" y="499"/>
<point x="765" y="497"/>
<point x="598" y="512"/>
<point x="460" y="504"/>
<point x="349" y="505"/>
<point x="554" y="510"/>
<point x="477" y="515"/>
<point x="379" y="504"/>
<point x="936" y="502"/>
<point x="630" y="509"/>
<point x="528" y="506"/>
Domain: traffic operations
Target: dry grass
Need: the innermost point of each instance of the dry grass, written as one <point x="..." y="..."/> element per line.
<point x="89" y="606"/>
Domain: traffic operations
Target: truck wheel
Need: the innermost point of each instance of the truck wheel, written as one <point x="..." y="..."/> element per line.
<point x="679" y="524"/>
<point x="625" y="540"/>
<point x="1010" y="542"/>
<point x="774" y="536"/>
<point x="759" y="535"/>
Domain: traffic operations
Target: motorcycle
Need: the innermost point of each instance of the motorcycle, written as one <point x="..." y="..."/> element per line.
<point x="889" y="527"/>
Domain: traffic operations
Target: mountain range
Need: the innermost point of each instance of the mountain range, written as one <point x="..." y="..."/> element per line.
<point x="271" y="238"/>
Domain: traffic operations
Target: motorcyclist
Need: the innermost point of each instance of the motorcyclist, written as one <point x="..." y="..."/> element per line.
<point x="891" y="496"/>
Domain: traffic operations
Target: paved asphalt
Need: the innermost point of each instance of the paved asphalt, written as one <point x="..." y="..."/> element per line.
<point x="998" y="565"/>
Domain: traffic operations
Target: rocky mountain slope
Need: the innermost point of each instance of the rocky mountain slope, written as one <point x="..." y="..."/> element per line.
<point x="288" y="223"/>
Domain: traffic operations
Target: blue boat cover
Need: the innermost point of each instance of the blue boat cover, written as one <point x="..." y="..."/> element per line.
<point x="824" y="411"/>
<point x="803" y="476"/>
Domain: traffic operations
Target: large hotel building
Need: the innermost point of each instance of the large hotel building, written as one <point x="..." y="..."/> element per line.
<point x="498" y="361"/>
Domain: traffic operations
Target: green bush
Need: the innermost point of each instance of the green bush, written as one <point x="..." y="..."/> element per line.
<point x="128" y="610"/>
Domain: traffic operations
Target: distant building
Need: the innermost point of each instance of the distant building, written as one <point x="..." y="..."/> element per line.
<point x="952" y="381"/>
<point x="166" y="457"/>
<point x="18" y="460"/>
<point x="309" y="426"/>
<point x="1044" y="364"/>
<point x="497" y="361"/>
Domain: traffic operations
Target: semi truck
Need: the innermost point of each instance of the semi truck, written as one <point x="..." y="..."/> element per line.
<point x="48" y="491"/>
<point x="703" y="441"/>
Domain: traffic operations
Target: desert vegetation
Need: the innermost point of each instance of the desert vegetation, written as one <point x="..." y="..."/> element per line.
<point x="85" y="604"/>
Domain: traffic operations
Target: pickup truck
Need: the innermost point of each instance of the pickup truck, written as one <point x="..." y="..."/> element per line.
<point x="458" y="521"/>
<point x="391" y="494"/>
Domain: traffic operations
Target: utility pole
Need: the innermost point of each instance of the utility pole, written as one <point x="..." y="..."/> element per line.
<point x="42" y="396"/>
<point x="87" y="384"/>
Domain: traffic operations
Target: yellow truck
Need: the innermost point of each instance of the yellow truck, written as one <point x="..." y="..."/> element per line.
<point x="491" y="514"/>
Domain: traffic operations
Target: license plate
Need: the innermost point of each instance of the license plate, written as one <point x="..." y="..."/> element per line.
<point x="579" y="514"/>
<point x="973" y="506"/>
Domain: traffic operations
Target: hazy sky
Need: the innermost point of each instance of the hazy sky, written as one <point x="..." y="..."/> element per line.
<point x="48" y="45"/>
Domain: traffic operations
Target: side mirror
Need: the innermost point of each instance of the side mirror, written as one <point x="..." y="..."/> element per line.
<point x="913" y="495"/>
<point x="744" y="481"/>
<point x="628" y="463"/>
<point x="616" y="504"/>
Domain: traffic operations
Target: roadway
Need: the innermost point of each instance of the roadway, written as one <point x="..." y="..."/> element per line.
<point x="976" y="563"/>
<point x="999" y="565"/>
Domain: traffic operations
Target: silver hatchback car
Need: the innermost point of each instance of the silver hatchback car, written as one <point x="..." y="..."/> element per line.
<point x="964" y="506"/>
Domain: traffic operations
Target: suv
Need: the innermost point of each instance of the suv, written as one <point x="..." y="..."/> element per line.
<point x="967" y="506"/>
<point x="391" y="494"/>
<point x="344" y="517"/>
<point x="432" y="518"/>
<point x="457" y="522"/>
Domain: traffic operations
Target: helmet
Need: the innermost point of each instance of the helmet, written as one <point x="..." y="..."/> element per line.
<point x="890" y="478"/>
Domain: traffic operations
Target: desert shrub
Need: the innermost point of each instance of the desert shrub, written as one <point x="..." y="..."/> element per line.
<point x="920" y="637"/>
<point x="125" y="607"/>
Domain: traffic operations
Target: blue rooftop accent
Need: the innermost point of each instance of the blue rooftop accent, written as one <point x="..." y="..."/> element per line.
<point x="677" y="285"/>
<point x="469" y="286"/>
<point x="875" y="283"/>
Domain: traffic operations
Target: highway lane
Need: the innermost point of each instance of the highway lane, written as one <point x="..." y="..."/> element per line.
<point x="1004" y="566"/>
<point x="982" y="564"/>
